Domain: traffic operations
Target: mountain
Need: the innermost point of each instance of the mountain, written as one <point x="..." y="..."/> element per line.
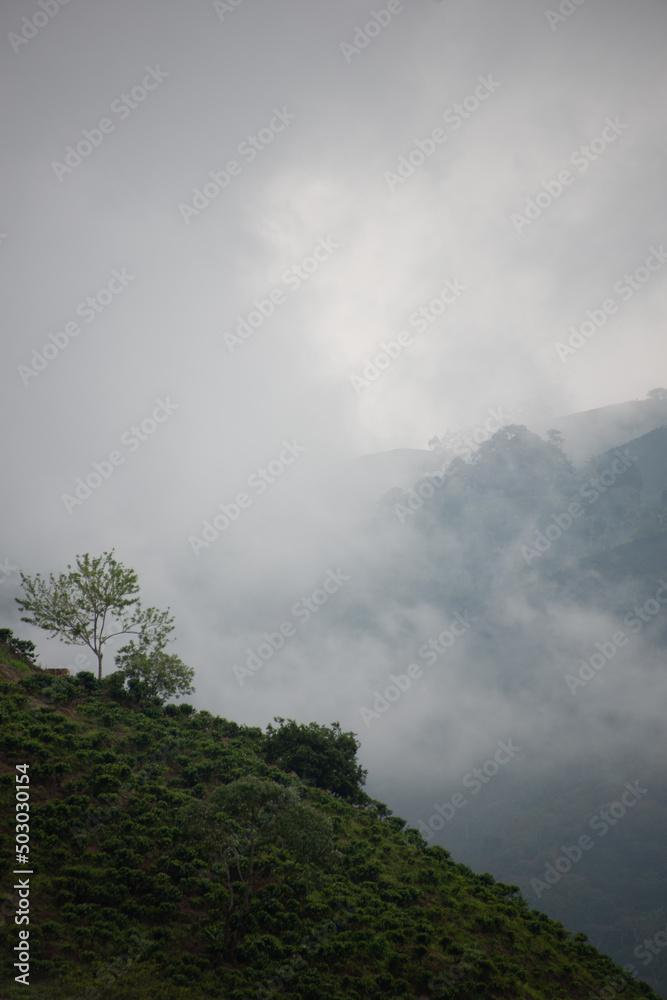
<point x="553" y="560"/>
<point x="594" y="431"/>
<point x="173" y="854"/>
<point x="585" y="434"/>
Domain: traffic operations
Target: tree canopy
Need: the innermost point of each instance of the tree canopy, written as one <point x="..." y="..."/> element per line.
<point x="323" y="755"/>
<point x="91" y="604"/>
<point x="153" y="675"/>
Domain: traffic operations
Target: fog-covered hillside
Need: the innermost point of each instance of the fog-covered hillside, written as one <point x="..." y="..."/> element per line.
<point x="342" y="325"/>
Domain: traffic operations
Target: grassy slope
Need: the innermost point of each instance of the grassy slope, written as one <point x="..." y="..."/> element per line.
<point x="134" y="908"/>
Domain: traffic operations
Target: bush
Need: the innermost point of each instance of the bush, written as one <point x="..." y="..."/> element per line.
<point x="152" y="676"/>
<point x="88" y="681"/>
<point x="321" y="755"/>
<point x="21" y="647"/>
<point x="34" y="683"/>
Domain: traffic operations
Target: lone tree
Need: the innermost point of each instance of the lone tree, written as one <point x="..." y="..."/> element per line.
<point x="92" y="604"/>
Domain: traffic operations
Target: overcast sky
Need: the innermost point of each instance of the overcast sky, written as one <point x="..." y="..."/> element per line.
<point x="364" y="174"/>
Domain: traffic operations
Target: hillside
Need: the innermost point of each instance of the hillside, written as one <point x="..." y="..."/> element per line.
<point x="549" y="590"/>
<point x="593" y="431"/>
<point x="177" y="854"/>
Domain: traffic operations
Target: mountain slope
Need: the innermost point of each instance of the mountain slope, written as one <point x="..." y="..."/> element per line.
<point x="143" y="888"/>
<point x="546" y="590"/>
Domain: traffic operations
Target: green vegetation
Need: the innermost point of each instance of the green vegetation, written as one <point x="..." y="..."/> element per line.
<point x="152" y="675"/>
<point x="21" y="648"/>
<point x="175" y="856"/>
<point x="77" y="607"/>
<point x="178" y="854"/>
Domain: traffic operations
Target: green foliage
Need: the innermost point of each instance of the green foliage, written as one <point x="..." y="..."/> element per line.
<point x="88" y="681"/>
<point x="151" y="675"/>
<point x="261" y="886"/>
<point x="79" y="607"/>
<point x="21" y="647"/>
<point x="321" y="755"/>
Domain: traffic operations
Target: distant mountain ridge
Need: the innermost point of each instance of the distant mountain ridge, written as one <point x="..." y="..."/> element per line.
<point x="585" y="434"/>
<point x="593" y="431"/>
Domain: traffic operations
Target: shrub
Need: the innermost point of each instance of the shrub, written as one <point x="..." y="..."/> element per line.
<point x="21" y="647"/>
<point x="88" y="681"/>
<point x="321" y="755"/>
